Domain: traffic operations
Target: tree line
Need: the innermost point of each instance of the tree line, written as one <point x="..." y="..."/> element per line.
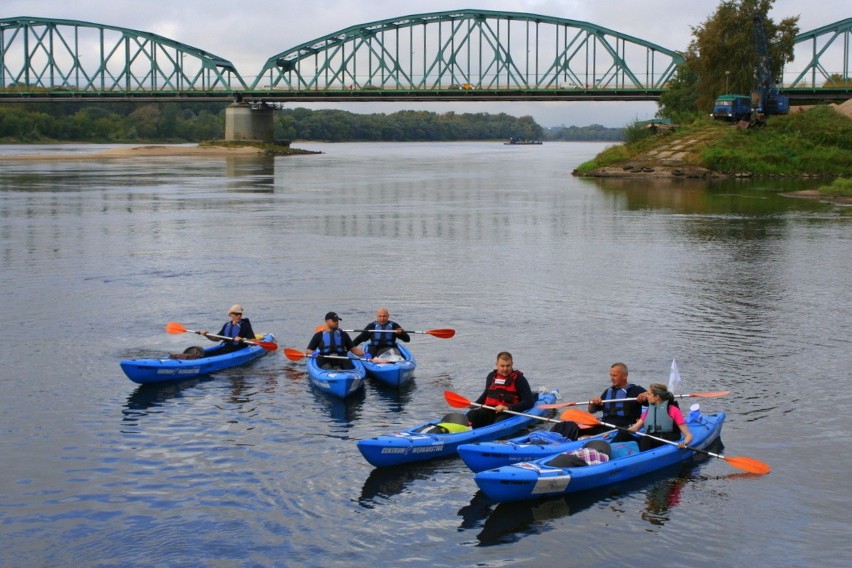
<point x="197" y="122"/>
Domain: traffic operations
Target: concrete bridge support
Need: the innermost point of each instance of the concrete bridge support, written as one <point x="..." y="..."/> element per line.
<point x="242" y="122"/>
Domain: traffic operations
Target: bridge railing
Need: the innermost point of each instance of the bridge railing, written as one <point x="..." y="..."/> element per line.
<point x="476" y="54"/>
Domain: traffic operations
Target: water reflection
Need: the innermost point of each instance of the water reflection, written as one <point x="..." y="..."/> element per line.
<point x="152" y="395"/>
<point x="394" y="399"/>
<point x="507" y="522"/>
<point x="250" y="174"/>
<point x="343" y="411"/>
<point x="702" y="197"/>
<point x="385" y="482"/>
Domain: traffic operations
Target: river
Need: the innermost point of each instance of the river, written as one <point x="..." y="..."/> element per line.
<point x="745" y="289"/>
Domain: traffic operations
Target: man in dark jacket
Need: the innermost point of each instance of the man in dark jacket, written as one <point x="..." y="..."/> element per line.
<point x="238" y="328"/>
<point x="505" y="389"/>
<point x="382" y="334"/>
<point x="622" y="413"/>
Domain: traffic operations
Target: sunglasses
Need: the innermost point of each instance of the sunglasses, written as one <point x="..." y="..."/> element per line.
<point x="235" y="314"/>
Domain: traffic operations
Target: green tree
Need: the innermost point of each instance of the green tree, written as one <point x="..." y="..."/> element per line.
<point x="680" y="99"/>
<point x="722" y="52"/>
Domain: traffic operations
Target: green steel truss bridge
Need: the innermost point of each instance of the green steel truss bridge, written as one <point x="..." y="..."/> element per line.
<point x="471" y="55"/>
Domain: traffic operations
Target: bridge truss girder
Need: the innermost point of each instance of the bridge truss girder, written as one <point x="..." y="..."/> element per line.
<point x="827" y="39"/>
<point x="51" y="54"/>
<point x="470" y="49"/>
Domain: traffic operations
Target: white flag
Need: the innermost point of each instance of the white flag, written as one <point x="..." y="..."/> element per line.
<point x="674" y="378"/>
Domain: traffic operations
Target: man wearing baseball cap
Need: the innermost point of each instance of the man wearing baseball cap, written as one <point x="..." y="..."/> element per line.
<point x="333" y="341"/>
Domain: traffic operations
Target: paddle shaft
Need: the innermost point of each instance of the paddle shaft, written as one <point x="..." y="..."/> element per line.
<point x="441" y="333"/>
<point x="351" y="358"/>
<point x="296" y="354"/>
<point x="379" y="331"/>
<point x="693" y="395"/>
<point x="223" y="337"/>
<point x="671" y="442"/>
<point x="507" y="411"/>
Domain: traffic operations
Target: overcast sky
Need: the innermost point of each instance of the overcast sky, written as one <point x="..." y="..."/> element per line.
<point x="248" y="33"/>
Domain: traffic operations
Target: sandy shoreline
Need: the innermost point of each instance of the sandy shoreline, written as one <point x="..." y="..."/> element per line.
<point x="148" y="151"/>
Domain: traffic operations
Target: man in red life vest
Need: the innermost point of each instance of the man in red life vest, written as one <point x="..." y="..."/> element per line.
<point x="505" y="389"/>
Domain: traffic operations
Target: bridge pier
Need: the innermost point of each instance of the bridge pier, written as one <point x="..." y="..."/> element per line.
<point x="242" y="122"/>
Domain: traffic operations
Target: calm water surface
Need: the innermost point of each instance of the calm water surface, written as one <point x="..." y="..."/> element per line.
<point x="747" y="290"/>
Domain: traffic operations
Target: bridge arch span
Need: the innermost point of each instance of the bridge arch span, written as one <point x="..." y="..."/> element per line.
<point x="42" y="53"/>
<point x="816" y="46"/>
<point x="471" y="50"/>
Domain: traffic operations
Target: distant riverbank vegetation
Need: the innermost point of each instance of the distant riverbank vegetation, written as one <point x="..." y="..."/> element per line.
<point x="40" y="123"/>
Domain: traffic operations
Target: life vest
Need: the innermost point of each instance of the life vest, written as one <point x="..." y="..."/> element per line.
<point x="503" y="390"/>
<point x="332" y="343"/>
<point x="233" y="330"/>
<point x="628" y="409"/>
<point x="382" y="340"/>
<point x="657" y="420"/>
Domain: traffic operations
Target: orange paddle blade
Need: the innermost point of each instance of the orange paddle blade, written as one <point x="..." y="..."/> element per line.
<point x="294" y="354"/>
<point x="456" y="400"/>
<point x="268" y="345"/>
<point x="321" y="327"/>
<point x="442" y="333"/>
<point x="750" y="465"/>
<point x="579" y="416"/>
<point x="175" y="327"/>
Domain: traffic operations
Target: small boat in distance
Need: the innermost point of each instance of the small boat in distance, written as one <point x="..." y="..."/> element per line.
<point x="515" y="141"/>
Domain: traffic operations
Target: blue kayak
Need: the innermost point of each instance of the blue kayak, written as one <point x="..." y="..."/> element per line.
<point x="144" y="371"/>
<point x="425" y="442"/>
<point x="336" y="382"/>
<point x="529" y="447"/>
<point x="396" y="373"/>
<point x="535" y="479"/>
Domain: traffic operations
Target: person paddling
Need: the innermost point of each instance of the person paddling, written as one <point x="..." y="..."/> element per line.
<point x="505" y="389"/>
<point x="382" y="334"/>
<point x="662" y="419"/>
<point x="624" y="413"/>
<point x="332" y="341"/>
<point x="238" y="328"/>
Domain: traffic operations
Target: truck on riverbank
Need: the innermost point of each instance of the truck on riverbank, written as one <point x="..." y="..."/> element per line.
<point x="732" y="107"/>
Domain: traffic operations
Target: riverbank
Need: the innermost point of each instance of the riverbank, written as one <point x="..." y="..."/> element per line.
<point x="204" y="150"/>
<point x="811" y="143"/>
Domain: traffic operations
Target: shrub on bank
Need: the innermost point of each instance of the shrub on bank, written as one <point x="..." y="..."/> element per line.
<point x="839" y="187"/>
<point x="813" y="142"/>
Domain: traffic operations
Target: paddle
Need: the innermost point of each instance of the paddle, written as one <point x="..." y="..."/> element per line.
<point x="750" y="465"/>
<point x="298" y="354"/>
<point x="458" y="401"/>
<point x="175" y="327"/>
<point x="712" y="394"/>
<point x="442" y="333"/>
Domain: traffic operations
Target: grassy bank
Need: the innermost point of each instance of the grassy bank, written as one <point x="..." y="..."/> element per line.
<point x="816" y="142"/>
<point x="841" y="186"/>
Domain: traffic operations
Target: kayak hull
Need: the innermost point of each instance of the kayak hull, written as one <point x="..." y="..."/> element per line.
<point x="489" y="455"/>
<point x="336" y="382"/>
<point x="145" y="371"/>
<point x="394" y="374"/>
<point x="415" y="445"/>
<point x="536" y="479"/>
